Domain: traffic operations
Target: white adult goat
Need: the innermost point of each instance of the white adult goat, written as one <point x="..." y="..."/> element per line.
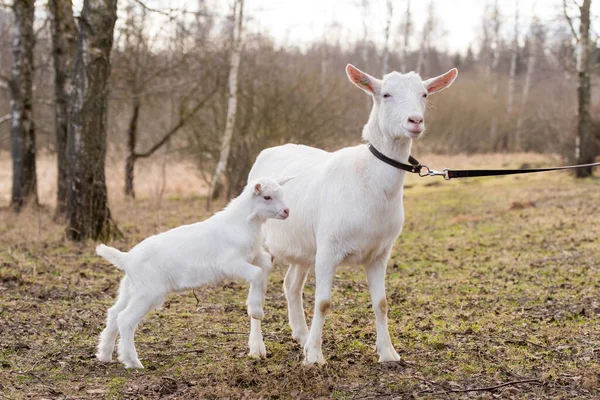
<point x="226" y="246"/>
<point x="347" y="204"/>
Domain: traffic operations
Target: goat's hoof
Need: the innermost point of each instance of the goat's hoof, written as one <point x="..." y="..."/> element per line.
<point x="131" y="362"/>
<point x="136" y="364"/>
<point x="313" y="356"/>
<point x="104" y="357"/>
<point x="257" y="349"/>
<point x="389" y="356"/>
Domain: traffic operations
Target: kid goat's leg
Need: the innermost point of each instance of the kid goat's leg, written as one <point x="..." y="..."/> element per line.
<point x="292" y="286"/>
<point x="109" y="334"/>
<point x="255" y="341"/>
<point x="376" y="276"/>
<point x="325" y="265"/>
<point x="254" y="276"/>
<point x="139" y="305"/>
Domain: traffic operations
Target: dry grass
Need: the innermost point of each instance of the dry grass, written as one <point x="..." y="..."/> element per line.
<point x="154" y="177"/>
<point x="494" y="281"/>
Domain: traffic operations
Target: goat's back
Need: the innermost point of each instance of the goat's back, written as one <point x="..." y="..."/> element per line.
<point x="331" y="201"/>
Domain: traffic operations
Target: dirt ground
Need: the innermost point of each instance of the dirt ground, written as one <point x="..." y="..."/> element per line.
<point x="493" y="290"/>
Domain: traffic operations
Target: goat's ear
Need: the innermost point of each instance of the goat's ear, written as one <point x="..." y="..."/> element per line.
<point x="441" y="82"/>
<point x="282" y="181"/>
<point x="363" y="80"/>
<point x="257" y="189"/>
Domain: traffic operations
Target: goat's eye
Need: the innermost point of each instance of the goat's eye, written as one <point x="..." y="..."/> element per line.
<point x="387" y="95"/>
<point x="424" y="95"/>
<point x="267" y="197"/>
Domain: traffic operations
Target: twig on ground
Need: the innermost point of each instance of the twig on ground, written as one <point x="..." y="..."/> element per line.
<point x="520" y="342"/>
<point x="433" y="383"/>
<point x="488" y="388"/>
<point x="191" y="350"/>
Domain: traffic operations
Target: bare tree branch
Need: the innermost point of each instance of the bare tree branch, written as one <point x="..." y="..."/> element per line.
<point x="569" y="21"/>
<point x="168" y="13"/>
<point x="182" y="121"/>
<point x="4" y="119"/>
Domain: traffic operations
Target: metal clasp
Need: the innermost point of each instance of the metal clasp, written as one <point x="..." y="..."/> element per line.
<point x="431" y="172"/>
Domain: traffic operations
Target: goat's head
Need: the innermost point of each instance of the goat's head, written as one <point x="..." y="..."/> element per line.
<point x="399" y="99"/>
<point x="267" y="198"/>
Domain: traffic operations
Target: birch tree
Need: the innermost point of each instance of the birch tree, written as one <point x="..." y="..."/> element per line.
<point x="495" y="44"/>
<point x="236" y="50"/>
<point x="64" y="36"/>
<point x="406" y="33"/>
<point x="532" y="43"/>
<point x="88" y="215"/>
<point x="386" y="55"/>
<point x="512" y="72"/>
<point x="364" y="51"/>
<point x="584" y="151"/>
<point x="425" y="38"/>
<point x="364" y="54"/>
<point x="22" y="133"/>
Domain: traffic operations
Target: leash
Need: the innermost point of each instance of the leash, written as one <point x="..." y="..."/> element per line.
<point x="416" y="167"/>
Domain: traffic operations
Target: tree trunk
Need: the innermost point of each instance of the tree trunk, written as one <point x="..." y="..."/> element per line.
<point x="512" y="72"/>
<point x="532" y="49"/>
<point x="64" y="36"/>
<point x="427" y="30"/>
<point x="386" y="51"/>
<point x="407" y="31"/>
<point x="131" y="156"/>
<point x="585" y="151"/>
<point x="492" y="72"/>
<point x="236" y="50"/>
<point x="88" y="215"/>
<point x="364" y="54"/>
<point x="22" y="133"/>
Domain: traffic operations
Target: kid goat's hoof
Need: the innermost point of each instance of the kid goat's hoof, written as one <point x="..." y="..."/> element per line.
<point x="257" y="349"/>
<point x="133" y="365"/>
<point x="104" y="357"/>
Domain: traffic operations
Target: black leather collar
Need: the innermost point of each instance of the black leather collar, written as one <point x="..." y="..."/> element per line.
<point x="414" y="167"/>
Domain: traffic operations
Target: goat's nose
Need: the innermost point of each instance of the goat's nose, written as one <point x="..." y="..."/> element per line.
<point x="286" y="212"/>
<point x="415" y="119"/>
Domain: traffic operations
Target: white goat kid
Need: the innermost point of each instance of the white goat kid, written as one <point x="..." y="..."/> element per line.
<point x="226" y="246"/>
<point x="347" y="204"/>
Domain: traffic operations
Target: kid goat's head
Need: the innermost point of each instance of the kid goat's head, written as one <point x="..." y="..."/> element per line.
<point x="399" y="99"/>
<point x="267" y="198"/>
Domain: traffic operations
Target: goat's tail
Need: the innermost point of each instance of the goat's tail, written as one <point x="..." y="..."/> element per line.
<point x="114" y="256"/>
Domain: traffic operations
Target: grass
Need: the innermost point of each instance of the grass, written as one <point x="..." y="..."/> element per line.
<point x="493" y="281"/>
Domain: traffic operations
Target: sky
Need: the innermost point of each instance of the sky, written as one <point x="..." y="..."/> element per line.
<point x="296" y="22"/>
<point x="300" y="22"/>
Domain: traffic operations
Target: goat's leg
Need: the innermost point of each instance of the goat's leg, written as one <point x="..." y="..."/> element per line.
<point x="255" y="341"/>
<point x="256" y="345"/>
<point x="254" y="276"/>
<point x="140" y="304"/>
<point x="293" y="285"/>
<point x="325" y="266"/>
<point x="109" y="334"/>
<point x="376" y="276"/>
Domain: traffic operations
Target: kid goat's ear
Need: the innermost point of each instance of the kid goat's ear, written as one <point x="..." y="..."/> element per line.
<point x="441" y="82"/>
<point x="282" y="181"/>
<point x="257" y="189"/>
<point x="363" y="80"/>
